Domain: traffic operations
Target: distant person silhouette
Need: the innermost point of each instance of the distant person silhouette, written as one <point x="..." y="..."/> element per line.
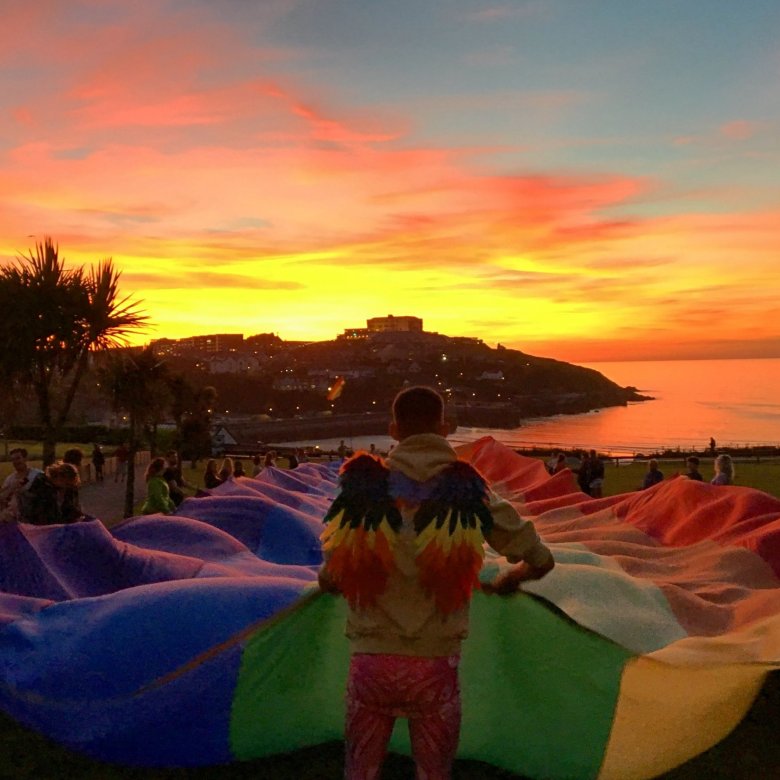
<point x="654" y="475"/>
<point x="98" y="461"/>
<point x="693" y="469"/>
<point x="583" y="474"/>
<point x="560" y="463"/>
<point x="596" y="475"/>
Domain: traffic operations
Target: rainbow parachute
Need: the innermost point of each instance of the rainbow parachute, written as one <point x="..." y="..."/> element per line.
<point x="201" y="638"/>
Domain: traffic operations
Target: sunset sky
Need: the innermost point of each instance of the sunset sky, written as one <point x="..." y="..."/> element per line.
<point x="580" y="179"/>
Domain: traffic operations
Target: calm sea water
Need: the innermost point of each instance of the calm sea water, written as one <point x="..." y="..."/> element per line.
<point x="737" y="402"/>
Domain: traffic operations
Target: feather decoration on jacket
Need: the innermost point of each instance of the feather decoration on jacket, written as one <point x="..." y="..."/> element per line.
<point x="361" y="529"/>
<point x="451" y="526"/>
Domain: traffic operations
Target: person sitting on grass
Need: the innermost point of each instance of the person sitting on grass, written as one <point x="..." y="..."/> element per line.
<point x="724" y="470"/>
<point x="158" y="494"/>
<point x="210" y="477"/>
<point x="692" y="462"/>
<point x="173" y="476"/>
<point x="408" y="580"/>
<point x="226" y="470"/>
<point x="269" y="462"/>
<point x="257" y="464"/>
<point x="653" y="476"/>
<point x="53" y="497"/>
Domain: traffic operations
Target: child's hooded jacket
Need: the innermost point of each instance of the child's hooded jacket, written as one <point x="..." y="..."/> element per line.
<point x="404" y="619"/>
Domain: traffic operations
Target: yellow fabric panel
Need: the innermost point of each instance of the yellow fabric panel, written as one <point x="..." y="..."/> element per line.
<point x="666" y="714"/>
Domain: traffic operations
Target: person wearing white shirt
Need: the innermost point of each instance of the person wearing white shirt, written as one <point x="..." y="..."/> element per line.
<point x="15" y="483"/>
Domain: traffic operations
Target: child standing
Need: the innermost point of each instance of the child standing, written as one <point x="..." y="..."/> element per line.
<point x="404" y="545"/>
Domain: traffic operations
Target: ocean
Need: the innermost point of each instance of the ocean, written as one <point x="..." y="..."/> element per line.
<point x="736" y="402"/>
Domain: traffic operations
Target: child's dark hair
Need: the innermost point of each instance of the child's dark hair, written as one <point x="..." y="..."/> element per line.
<point x="418" y="410"/>
<point x="155" y="467"/>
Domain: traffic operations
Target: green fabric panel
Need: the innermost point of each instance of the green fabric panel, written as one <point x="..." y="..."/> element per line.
<point x="290" y="688"/>
<point x="539" y="692"/>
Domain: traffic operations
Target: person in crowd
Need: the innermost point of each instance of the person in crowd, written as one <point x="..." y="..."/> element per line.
<point x="238" y="468"/>
<point x="98" y="461"/>
<point x="724" y="470"/>
<point x="583" y="474"/>
<point x="74" y="456"/>
<point x="121" y="455"/>
<point x="560" y="463"/>
<point x="406" y="619"/>
<point x="596" y="475"/>
<point x="270" y="459"/>
<point x="226" y="470"/>
<point x="53" y="497"/>
<point x="342" y="450"/>
<point x="692" y="462"/>
<point x="158" y="493"/>
<point x="210" y="477"/>
<point x="653" y="476"/>
<point x="174" y="478"/>
<point x="257" y="464"/>
<point x="292" y="460"/>
<point x="16" y="483"/>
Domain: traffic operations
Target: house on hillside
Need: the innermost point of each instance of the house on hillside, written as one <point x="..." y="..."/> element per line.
<point x="232" y="364"/>
<point x="491" y="376"/>
<point x="221" y="438"/>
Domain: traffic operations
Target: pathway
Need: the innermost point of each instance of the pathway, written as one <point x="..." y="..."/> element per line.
<point x="106" y="500"/>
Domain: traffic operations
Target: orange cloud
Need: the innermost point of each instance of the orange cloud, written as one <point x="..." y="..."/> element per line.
<point x="237" y="198"/>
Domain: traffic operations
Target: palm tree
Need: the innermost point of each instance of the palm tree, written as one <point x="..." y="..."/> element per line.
<point x="54" y="317"/>
<point x="134" y="384"/>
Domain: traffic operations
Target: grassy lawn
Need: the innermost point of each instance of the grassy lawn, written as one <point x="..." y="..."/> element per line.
<point x="35" y="453"/>
<point x="763" y="475"/>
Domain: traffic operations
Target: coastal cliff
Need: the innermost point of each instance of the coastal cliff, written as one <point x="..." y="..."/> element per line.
<point x="294" y="397"/>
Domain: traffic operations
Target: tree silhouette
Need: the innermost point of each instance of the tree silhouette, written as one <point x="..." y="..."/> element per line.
<point x="54" y="317"/>
<point x="134" y="383"/>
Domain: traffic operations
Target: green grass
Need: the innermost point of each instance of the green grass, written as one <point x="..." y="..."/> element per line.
<point x="35" y="453"/>
<point x="763" y="475"/>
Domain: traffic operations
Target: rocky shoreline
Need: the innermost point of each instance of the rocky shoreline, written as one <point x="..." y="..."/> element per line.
<point x="252" y="434"/>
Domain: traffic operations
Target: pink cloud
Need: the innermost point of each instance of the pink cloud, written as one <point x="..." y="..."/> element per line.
<point x="739" y="129"/>
<point x="529" y="9"/>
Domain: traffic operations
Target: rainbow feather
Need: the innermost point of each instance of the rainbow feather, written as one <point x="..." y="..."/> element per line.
<point x="361" y="529"/>
<point x="451" y="525"/>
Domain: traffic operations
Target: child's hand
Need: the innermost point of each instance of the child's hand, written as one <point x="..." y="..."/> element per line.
<point x="509" y="581"/>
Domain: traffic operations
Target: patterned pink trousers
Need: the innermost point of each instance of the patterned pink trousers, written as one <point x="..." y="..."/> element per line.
<point x="382" y="688"/>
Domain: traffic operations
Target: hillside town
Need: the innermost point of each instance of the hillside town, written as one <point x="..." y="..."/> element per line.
<point x="271" y="389"/>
